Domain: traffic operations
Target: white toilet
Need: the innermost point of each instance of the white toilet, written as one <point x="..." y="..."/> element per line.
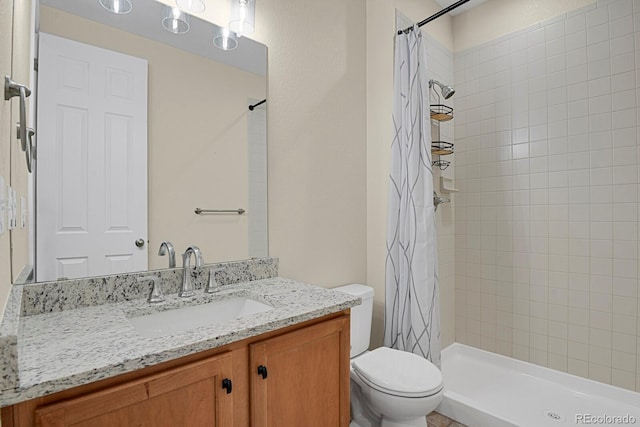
<point x="389" y="388"/>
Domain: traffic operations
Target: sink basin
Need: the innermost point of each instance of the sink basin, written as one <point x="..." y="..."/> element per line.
<point x="170" y="322"/>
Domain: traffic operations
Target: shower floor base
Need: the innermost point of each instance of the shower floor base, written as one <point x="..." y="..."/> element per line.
<point x="484" y="389"/>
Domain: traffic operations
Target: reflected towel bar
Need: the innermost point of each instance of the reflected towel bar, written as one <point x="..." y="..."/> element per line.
<point x="199" y="211"/>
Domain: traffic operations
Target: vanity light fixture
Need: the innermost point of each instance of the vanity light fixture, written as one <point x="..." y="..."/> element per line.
<point x="175" y="21"/>
<point x="191" y="6"/>
<point x="243" y="17"/>
<point x="117" y="6"/>
<point x="225" y="39"/>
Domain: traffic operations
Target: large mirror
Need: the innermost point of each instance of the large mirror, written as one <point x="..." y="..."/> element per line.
<point x="138" y="127"/>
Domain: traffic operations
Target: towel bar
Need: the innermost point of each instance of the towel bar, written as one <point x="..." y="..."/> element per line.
<point x="199" y="211"/>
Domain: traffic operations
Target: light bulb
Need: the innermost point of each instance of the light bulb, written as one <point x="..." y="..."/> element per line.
<point x="175" y="21"/>
<point x="243" y="15"/>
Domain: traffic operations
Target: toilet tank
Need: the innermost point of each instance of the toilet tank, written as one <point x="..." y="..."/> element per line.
<point x="360" y="317"/>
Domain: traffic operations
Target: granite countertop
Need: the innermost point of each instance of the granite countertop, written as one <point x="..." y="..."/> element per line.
<point x="59" y="350"/>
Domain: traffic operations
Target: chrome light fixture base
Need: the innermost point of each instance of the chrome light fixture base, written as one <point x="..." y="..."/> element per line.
<point x="119" y="7"/>
<point x="225" y="39"/>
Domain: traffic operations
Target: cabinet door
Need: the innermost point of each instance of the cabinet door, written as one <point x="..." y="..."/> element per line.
<point x="302" y="378"/>
<point x="191" y="395"/>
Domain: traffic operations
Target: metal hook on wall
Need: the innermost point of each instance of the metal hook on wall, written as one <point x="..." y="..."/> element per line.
<point x="25" y="135"/>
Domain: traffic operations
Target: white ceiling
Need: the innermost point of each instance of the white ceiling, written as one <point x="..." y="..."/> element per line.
<point x="459" y="9"/>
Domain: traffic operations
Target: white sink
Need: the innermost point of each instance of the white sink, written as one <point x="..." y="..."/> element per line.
<point x="170" y="322"/>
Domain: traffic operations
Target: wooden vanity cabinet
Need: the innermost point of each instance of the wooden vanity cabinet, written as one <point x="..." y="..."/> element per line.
<point x="189" y="395"/>
<point x="303" y="380"/>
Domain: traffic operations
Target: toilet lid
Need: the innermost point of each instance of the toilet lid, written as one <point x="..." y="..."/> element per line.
<point x="399" y="373"/>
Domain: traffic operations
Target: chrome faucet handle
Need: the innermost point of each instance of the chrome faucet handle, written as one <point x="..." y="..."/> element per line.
<point x="188" y="289"/>
<point x="212" y="286"/>
<point x="156" y="291"/>
<point x="165" y="247"/>
<point x="438" y="200"/>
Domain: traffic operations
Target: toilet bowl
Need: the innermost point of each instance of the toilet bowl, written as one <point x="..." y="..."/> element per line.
<point x="398" y="388"/>
<point x="389" y="388"/>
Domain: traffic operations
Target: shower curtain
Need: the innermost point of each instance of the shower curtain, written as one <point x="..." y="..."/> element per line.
<point x="412" y="317"/>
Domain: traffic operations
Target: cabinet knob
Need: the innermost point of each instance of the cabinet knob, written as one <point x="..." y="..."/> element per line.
<point x="227" y="385"/>
<point x="262" y="370"/>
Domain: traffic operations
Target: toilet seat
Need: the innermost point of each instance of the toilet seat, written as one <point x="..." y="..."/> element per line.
<point x="398" y="373"/>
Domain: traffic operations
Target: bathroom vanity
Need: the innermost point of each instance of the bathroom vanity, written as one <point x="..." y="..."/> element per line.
<point x="89" y="366"/>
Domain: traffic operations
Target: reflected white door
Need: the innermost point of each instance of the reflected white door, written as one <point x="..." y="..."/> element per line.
<point x="91" y="179"/>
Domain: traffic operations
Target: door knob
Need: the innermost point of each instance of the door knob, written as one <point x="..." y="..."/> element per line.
<point x="140" y="243"/>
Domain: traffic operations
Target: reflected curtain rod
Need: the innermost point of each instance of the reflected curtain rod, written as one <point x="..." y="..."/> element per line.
<point x="251" y="107"/>
<point x="435" y="16"/>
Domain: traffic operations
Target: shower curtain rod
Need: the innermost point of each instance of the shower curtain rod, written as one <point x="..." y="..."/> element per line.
<point x="435" y="16"/>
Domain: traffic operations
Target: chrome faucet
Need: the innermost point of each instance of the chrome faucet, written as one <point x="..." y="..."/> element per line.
<point x="187" y="289"/>
<point x="165" y="247"/>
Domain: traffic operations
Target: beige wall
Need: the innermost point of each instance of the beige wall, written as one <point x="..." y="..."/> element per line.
<point x="317" y="137"/>
<point x="6" y="12"/>
<point x="495" y="18"/>
<point x="197" y="143"/>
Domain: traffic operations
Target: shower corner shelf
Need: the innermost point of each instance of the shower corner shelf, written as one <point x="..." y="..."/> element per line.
<point x="445" y="188"/>
<point x="441" y="148"/>
<point x="441" y="164"/>
<point x="441" y="112"/>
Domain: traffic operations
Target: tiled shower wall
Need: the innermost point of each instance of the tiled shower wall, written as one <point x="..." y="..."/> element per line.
<point x="546" y="223"/>
<point x="440" y="67"/>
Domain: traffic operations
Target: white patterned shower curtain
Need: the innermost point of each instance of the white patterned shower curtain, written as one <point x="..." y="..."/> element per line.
<point x="412" y="314"/>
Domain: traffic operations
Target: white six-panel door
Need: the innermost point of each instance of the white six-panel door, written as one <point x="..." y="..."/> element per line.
<point x="91" y="180"/>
